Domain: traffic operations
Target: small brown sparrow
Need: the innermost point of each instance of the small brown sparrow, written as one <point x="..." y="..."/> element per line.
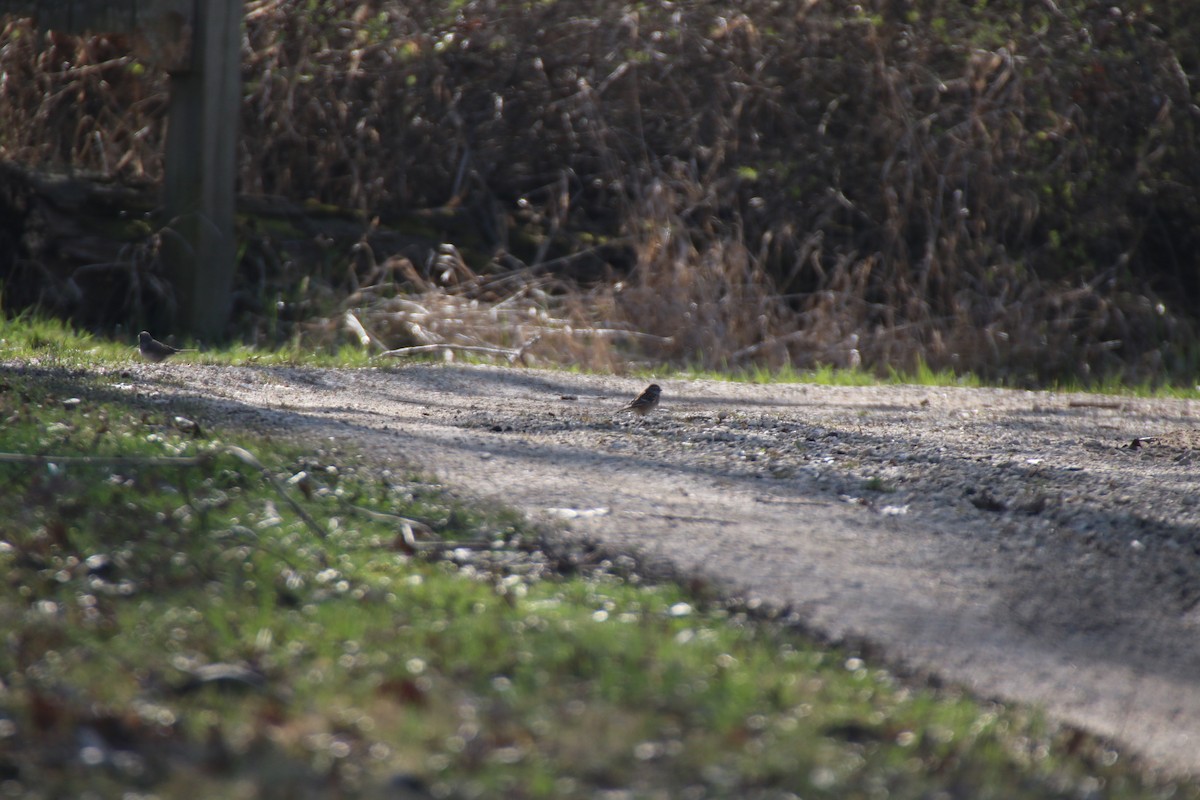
<point x="154" y="350"/>
<point x="645" y="402"/>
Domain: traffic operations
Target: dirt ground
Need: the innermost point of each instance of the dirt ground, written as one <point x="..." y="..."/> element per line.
<point x="1032" y="546"/>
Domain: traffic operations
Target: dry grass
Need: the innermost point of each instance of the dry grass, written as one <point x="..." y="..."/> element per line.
<point x="516" y="317"/>
<point x="1008" y="189"/>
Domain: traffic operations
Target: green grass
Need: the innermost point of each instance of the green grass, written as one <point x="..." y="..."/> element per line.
<point x="824" y="375"/>
<point x="46" y="341"/>
<point x="922" y="376"/>
<point x="347" y="666"/>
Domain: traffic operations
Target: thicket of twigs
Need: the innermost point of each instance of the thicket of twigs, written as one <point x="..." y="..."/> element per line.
<point x="1011" y="188"/>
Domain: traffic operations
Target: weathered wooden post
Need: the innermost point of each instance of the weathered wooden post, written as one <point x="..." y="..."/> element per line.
<point x="199" y="190"/>
<point x="198" y="42"/>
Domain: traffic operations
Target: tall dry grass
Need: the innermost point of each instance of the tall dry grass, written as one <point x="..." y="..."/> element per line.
<point x="1011" y="188"/>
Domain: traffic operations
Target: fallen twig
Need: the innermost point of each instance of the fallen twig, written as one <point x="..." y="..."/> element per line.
<point x="433" y="348"/>
<point x="249" y="459"/>
<point x="432" y="543"/>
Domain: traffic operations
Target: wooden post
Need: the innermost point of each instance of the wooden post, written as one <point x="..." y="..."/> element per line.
<point x="199" y="252"/>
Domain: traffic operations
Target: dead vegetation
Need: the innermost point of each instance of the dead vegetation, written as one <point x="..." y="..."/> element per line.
<point x="1009" y="188"/>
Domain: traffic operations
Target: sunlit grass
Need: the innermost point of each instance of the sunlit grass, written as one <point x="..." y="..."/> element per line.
<point x="828" y="375"/>
<point x="32" y="336"/>
<point x="291" y="354"/>
<point x="50" y="342"/>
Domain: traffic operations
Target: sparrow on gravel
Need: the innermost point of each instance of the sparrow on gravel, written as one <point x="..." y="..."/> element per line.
<point x="154" y="350"/>
<point x="645" y="402"/>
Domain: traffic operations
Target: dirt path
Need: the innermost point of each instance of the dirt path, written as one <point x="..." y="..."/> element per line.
<point x="1012" y="541"/>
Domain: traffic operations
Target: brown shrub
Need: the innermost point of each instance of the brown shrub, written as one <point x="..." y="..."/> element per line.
<point x="1009" y="189"/>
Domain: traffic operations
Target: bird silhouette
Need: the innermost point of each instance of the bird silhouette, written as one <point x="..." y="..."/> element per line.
<point x="645" y="402"/>
<point x="154" y="350"/>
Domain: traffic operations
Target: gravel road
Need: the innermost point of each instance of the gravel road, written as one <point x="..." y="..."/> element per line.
<point x="1032" y="546"/>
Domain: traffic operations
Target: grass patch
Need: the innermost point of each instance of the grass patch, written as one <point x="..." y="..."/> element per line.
<point x="179" y="631"/>
<point x="46" y="341"/>
<point x="877" y="484"/>
<point x="828" y="375"/>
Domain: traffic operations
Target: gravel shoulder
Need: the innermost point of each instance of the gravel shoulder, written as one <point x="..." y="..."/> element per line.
<point x="1019" y="543"/>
